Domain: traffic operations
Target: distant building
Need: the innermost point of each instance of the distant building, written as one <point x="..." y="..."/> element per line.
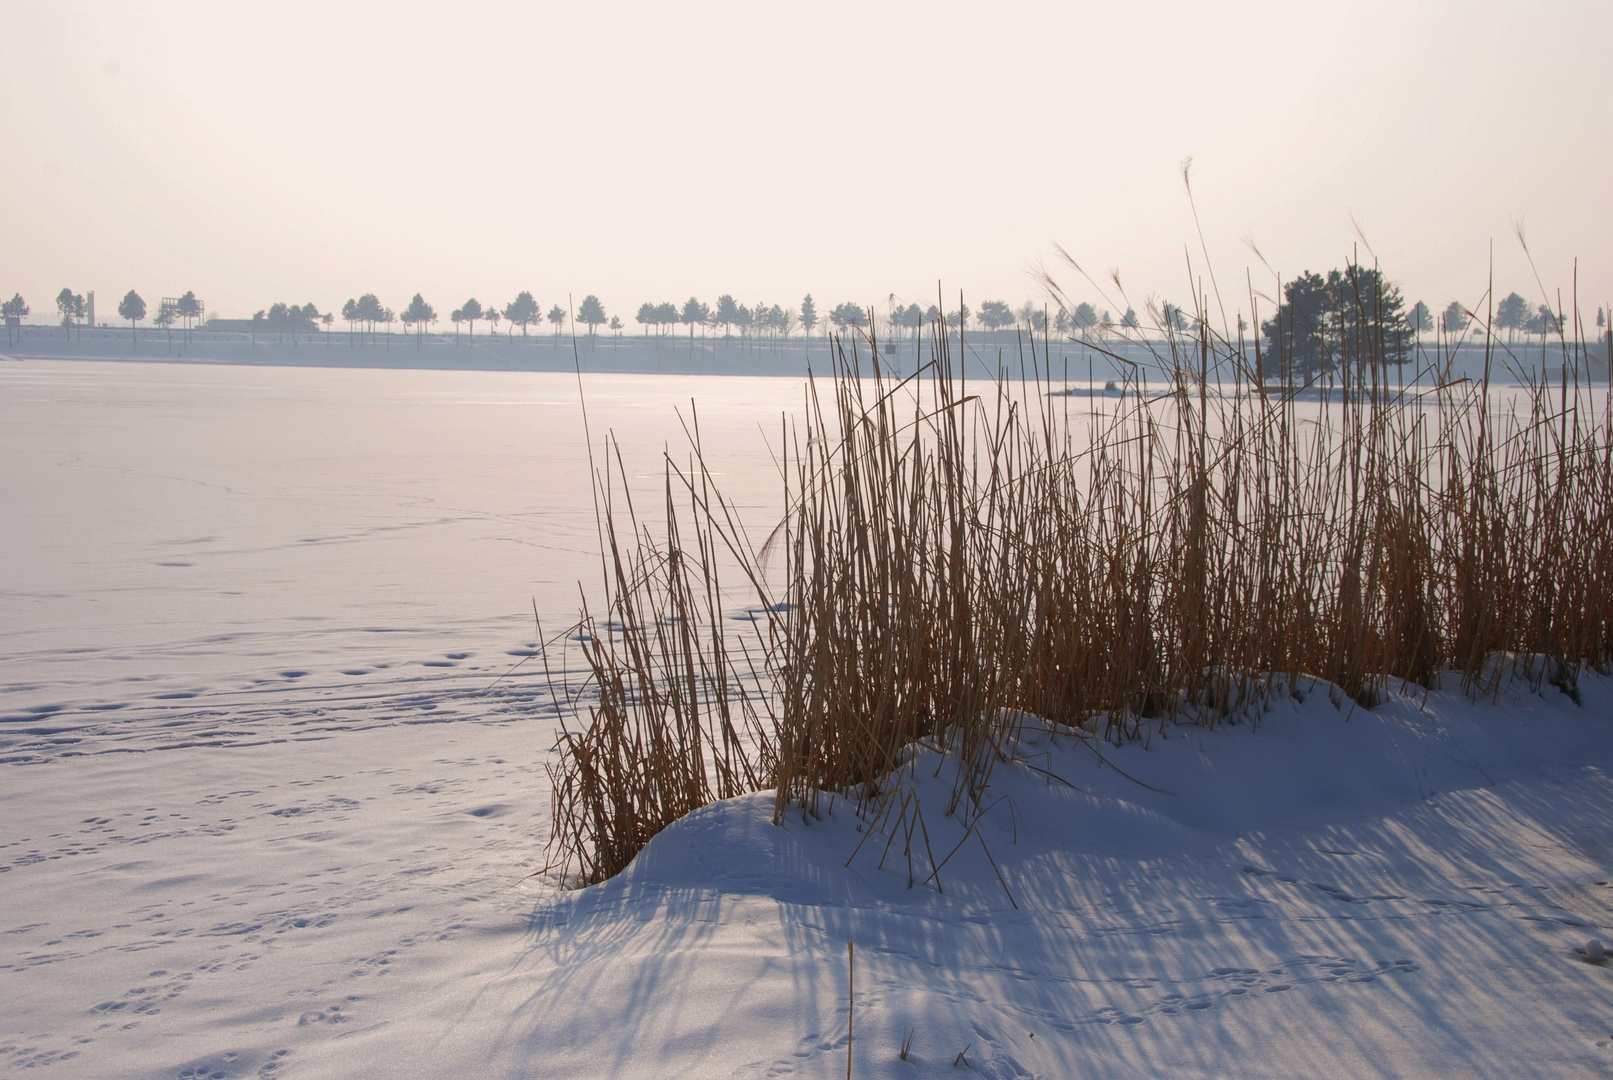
<point x="216" y="325"/>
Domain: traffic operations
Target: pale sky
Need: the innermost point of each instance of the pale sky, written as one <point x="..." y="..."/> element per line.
<point x="297" y="151"/>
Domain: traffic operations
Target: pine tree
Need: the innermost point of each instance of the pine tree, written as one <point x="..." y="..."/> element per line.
<point x="13" y="311"/>
<point x="133" y="308"/>
<point x="522" y="311"/>
<point x="1419" y="318"/>
<point x="848" y="314"/>
<point x="591" y="313"/>
<point x="470" y="311"/>
<point x="995" y="314"/>
<point x="419" y="314"/>
<point x="694" y="312"/>
<point x="1511" y="314"/>
<point x="1454" y="320"/>
<point x="727" y="313"/>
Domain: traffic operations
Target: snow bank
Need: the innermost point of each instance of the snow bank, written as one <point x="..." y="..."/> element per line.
<point x="1327" y="892"/>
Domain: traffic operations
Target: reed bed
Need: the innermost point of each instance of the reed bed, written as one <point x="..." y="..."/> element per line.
<point x="958" y="555"/>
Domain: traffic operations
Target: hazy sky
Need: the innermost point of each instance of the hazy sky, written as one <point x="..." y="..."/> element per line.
<point x="302" y="151"/>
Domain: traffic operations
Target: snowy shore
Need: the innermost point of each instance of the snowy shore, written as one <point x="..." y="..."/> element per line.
<point x="1394" y="893"/>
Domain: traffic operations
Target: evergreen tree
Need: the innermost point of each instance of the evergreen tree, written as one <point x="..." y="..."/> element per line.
<point x="419" y="315"/>
<point x="645" y="316"/>
<point x="910" y="317"/>
<point x="13" y="311"/>
<point x="1543" y="322"/>
<point x="666" y="316"/>
<point x="277" y="320"/>
<point x="133" y="308"/>
<point x="1454" y="320"/>
<point x="846" y="315"/>
<point x="66" y="306"/>
<point x="522" y="311"/>
<point x="369" y="311"/>
<point x="350" y="313"/>
<point x="809" y="315"/>
<point x="1032" y="316"/>
<point x="1353" y="312"/>
<point x="1419" y="318"/>
<point x="293" y="319"/>
<point x="165" y="321"/>
<point x="1296" y="333"/>
<point x="188" y="310"/>
<point x="591" y="313"/>
<point x="995" y="314"/>
<point x="727" y="313"/>
<point x="1511" y="314"/>
<point x="694" y="312"/>
<point x="470" y="311"/>
<point x="781" y="320"/>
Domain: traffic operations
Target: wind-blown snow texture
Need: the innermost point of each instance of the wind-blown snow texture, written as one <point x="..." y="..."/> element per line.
<point x="327" y="875"/>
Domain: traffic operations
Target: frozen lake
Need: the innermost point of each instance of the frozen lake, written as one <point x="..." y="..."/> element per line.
<point x="262" y="817"/>
<point x="223" y="553"/>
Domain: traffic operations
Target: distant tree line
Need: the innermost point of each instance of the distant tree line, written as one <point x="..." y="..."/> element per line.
<point x="1317" y="317"/>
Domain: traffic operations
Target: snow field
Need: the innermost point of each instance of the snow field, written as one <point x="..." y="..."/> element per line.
<point x="262" y="816"/>
<point x="1387" y="893"/>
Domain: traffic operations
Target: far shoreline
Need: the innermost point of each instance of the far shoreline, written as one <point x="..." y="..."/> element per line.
<point x="1075" y="362"/>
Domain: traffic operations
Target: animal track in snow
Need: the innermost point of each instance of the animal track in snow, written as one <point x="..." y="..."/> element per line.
<point x="1221" y="985"/>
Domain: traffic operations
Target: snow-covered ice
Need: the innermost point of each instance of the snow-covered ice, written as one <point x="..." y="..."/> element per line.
<point x="289" y="833"/>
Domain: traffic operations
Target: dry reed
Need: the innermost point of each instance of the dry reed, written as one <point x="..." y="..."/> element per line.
<point x="956" y="556"/>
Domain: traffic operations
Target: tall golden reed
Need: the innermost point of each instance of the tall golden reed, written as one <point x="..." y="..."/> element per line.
<point x="957" y="555"/>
